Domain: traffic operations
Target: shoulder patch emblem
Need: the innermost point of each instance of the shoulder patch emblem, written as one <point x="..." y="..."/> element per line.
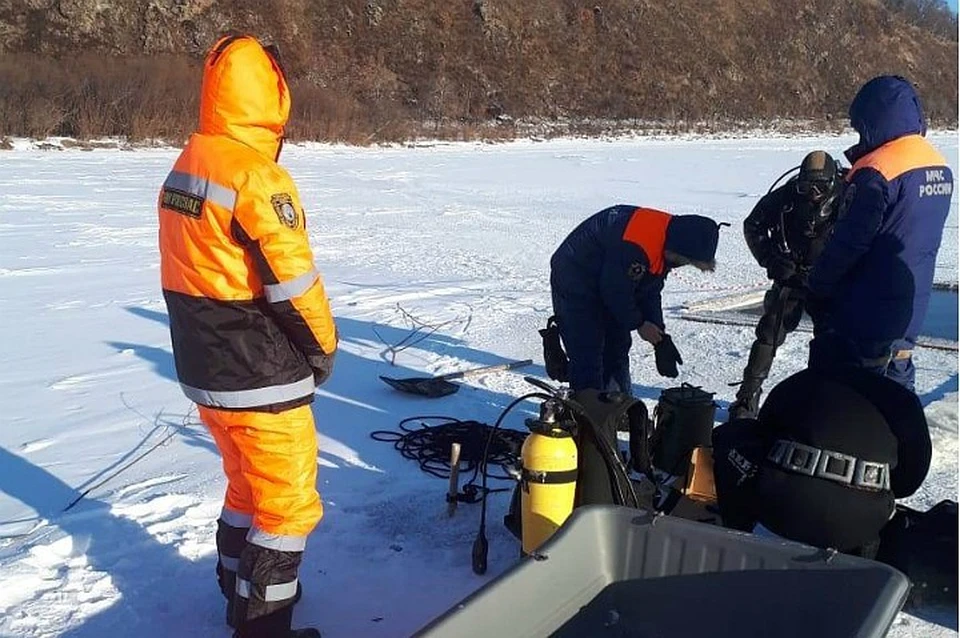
<point x="636" y="271"/>
<point x="849" y="192"/>
<point x="286" y="211"/>
<point x="184" y="203"/>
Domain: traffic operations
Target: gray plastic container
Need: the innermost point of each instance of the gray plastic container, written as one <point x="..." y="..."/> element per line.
<point x="620" y="572"/>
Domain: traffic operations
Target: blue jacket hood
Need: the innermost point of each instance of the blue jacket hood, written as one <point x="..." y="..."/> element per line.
<point x="885" y="108"/>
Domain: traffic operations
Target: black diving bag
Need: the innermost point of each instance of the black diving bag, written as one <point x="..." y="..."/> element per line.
<point x="683" y="420"/>
<point x="923" y="545"/>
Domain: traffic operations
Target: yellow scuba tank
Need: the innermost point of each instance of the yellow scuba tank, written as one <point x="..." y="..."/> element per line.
<point x="548" y="480"/>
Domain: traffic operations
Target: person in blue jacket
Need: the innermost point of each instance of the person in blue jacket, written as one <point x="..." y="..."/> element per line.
<point x="606" y="278"/>
<point x="871" y="284"/>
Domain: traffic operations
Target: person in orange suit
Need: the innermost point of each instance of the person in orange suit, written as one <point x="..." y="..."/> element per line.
<point x="251" y="328"/>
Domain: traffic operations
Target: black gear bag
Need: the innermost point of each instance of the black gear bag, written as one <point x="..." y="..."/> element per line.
<point x="683" y="420"/>
<point x="923" y="545"/>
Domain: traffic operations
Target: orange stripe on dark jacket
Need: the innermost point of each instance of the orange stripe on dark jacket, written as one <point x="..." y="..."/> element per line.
<point x="647" y="228"/>
<point x="900" y="156"/>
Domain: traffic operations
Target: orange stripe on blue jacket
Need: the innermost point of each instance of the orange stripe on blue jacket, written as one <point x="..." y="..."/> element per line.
<point x="616" y="257"/>
<point x="877" y="269"/>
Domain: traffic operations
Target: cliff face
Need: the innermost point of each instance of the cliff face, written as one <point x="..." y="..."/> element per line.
<point x="467" y="60"/>
<point x="124" y="27"/>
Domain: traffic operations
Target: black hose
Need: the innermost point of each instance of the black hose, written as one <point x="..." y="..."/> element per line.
<point x="479" y="556"/>
<point x="429" y="445"/>
<point x="612" y="456"/>
<point x="486" y="448"/>
<point x="777" y="181"/>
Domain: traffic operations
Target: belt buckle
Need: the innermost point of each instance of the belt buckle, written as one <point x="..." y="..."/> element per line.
<point x="849" y="467"/>
<point x="777" y="452"/>
<point x="801" y="458"/>
<point x="874" y="476"/>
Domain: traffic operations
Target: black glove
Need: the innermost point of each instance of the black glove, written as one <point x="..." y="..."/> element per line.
<point x="780" y="268"/>
<point x="322" y="367"/>
<point x="554" y="358"/>
<point x="799" y="280"/>
<point x="667" y="357"/>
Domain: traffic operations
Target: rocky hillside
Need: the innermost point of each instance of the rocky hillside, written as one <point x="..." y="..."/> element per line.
<point x="389" y="69"/>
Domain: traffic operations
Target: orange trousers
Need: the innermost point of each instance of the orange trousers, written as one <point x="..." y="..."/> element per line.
<point x="271" y="465"/>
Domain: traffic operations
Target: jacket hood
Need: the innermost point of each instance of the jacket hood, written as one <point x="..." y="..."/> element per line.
<point x="244" y="95"/>
<point x="693" y="236"/>
<point x="885" y="108"/>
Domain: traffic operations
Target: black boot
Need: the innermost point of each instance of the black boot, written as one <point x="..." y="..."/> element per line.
<point x="230" y="543"/>
<point x="276" y="624"/>
<point x="744" y="407"/>
<point x="747" y="403"/>
<point x="228" y="585"/>
<point x="264" y="608"/>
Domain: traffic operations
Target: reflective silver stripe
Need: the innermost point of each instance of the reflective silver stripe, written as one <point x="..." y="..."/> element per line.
<point x="250" y="398"/>
<point x="271" y="593"/>
<point x="236" y="519"/>
<point x="286" y="290"/>
<point x="230" y="563"/>
<point x="276" y="541"/>
<point x="210" y="191"/>
<point x="282" y="591"/>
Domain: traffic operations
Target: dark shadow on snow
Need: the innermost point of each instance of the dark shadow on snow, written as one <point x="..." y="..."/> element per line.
<point x="941" y="391"/>
<point x="155" y="583"/>
<point x="146" y="313"/>
<point x="160" y="358"/>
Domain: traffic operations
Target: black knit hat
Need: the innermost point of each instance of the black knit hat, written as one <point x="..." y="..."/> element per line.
<point x="828" y="412"/>
<point x="693" y="236"/>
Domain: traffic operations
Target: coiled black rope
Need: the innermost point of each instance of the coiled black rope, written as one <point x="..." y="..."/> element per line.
<point x="427" y="440"/>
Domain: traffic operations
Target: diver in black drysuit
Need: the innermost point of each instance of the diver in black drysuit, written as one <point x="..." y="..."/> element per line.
<point x="786" y="231"/>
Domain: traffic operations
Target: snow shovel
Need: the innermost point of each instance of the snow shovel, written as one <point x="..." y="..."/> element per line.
<point x="435" y="387"/>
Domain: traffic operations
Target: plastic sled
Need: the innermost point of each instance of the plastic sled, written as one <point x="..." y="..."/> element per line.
<point x="615" y="571"/>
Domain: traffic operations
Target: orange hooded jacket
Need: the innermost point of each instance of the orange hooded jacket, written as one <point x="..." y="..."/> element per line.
<point x="249" y="317"/>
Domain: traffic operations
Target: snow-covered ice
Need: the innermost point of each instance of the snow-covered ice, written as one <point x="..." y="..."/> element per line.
<point x="457" y="235"/>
